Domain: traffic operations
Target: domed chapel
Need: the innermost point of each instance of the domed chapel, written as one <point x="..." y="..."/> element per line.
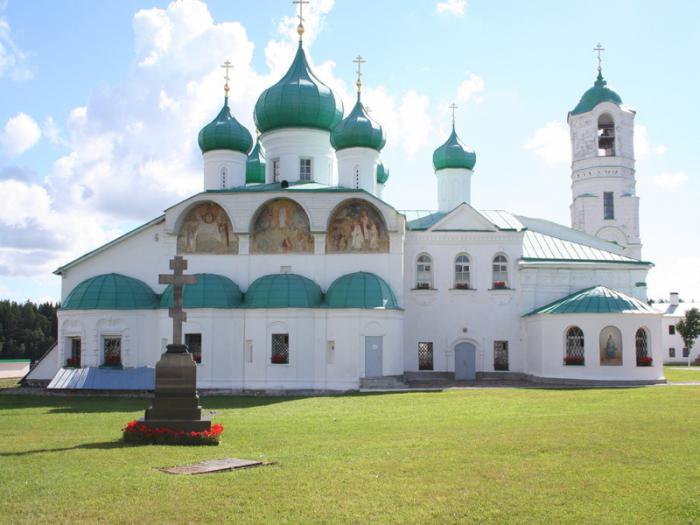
<point x="306" y="279"/>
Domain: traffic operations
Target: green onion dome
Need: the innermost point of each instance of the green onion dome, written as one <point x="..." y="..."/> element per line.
<point x="283" y="290"/>
<point x="382" y="174"/>
<point x="597" y="94"/>
<point x="357" y="130"/>
<point x="111" y="291"/>
<point x="225" y="132"/>
<point x="255" y="165"/>
<point x="210" y="291"/>
<point x="298" y="100"/>
<point x="360" y="290"/>
<point x="454" y="154"/>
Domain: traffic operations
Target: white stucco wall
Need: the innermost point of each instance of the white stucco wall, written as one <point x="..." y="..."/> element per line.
<point x="289" y="145"/>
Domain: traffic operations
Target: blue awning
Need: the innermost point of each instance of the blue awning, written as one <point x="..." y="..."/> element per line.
<point x="94" y="378"/>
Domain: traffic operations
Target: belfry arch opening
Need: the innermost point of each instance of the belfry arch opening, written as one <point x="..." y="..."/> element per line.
<point x="606" y="136"/>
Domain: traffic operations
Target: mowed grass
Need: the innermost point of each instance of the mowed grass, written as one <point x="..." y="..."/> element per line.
<point x="681" y="374"/>
<point x="472" y="456"/>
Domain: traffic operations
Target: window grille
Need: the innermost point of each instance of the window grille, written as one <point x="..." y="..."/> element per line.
<point x="462" y="272"/>
<point x="671" y="352"/>
<point x="112" y="351"/>
<point x="305" y="169"/>
<point x="280" y="349"/>
<point x="500" y="272"/>
<point x="642" y="345"/>
<point x="424" y="272"/>
<point x="425" y="356"/>
<point x="500" y="355"/>
<point x="608" y="205"/>
<point x="574" y="346"/>
<point x="276" y="170"/>
<point x="194" y="345"/>
<point x="672" y="329"/>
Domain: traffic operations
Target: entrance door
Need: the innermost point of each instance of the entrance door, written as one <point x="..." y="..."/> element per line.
<point x="465" y="362"/>
<point x="373" y="356"/>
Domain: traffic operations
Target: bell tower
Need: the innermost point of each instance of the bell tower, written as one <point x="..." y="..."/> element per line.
<point x="603" y="183"/>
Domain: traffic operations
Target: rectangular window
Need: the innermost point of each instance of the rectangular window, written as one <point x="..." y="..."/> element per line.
<point x="280" y="349"/>
<point x="608" y="205"/>
<point x="276" y="170"/>
<point x="686" y="352"/>
<point x="425" y="356"/>
<point x="304" y="169"/>
<point x="74" y="358"/>
<point x="500" y="355"/>
<point x="194" y="345"/>
<point x="672" y="329"/>
<point x="671" y="352"/>
<point x="112" y="351"/>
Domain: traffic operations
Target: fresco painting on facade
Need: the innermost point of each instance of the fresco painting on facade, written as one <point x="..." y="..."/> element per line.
<point x="610" y="346"/>
<point x="281" y="226"/>
<point x="356" y="226"/>
<point x="207" y="229"/>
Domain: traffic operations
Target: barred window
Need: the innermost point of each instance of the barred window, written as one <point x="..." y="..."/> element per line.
<point x="500" y="272"/>
<point x="276" y="170"/>
<point x="500" y="355"/>
<point x="112" y="351"/>
<point x="642" y="346"/>
<point x="462" y="278"/>
<point x="671" y="352"/>
<point x="425" y="356"/>
<point x="280" y="349"/>
<point x="574" y="347"/>
<point x="194" y="345"/>
<point x="424" y="272"/>
<point x="305" y="169"/>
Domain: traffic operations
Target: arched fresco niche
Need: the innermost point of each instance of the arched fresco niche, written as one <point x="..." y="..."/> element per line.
<point x="207" y="229"/>
<point x="357" y="226"/>
<point x="281" y="226"/>
<point x="610" y="346"/>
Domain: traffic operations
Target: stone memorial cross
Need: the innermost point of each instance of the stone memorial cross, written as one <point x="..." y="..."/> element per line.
<point x="178" y="280"/>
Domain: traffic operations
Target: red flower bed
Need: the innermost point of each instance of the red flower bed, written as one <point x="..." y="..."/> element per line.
<point x="644" y="361"/>
<point x="137" y="432"/>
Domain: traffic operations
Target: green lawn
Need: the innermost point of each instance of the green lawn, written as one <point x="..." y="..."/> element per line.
<point x="686" y="375"/>
<point x="479" y="456"/>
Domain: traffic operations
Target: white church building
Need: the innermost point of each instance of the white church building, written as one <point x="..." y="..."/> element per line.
<point x="308" y="280"/>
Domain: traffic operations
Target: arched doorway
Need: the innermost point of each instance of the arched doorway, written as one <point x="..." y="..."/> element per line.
<point x="465" y="362"/>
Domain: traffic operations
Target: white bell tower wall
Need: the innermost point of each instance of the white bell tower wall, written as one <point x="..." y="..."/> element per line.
<point x="287" y="147"/>
<point x="224" y="169"/>
<point x="357" y="168"/>
<point x="454" y="187"/>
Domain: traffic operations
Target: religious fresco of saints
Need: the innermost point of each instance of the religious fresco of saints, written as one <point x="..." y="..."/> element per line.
<point x="281" y="226"/>
<point x="207" y="229"/>
<point x="357" y="226"/>
<point x="610" y="346"/>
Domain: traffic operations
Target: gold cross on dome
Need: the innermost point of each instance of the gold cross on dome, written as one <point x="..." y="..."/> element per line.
<point x="300" y="27"/>
<point x="453" y="107"/>
<point x="227" y="66"/>
<point x="598" y="49"/>
<point x="359" y="61"/>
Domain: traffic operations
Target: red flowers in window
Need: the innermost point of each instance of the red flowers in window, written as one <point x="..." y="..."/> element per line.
<point x="73" y="362"/>
<point x="644" y="361"/>
<point x="279" y="359"/>
<point x="574" y="360"/>
<point x="113" y="360"/>
<point x="137" y="432"/>
<point x="499" y="285"/>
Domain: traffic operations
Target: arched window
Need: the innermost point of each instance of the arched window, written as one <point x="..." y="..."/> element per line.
<point x="424" y="272"/>
<point x="224" y="173"/>
<point x="500" y="272"/>
<point x="641" y="340"/>
<point x="606" y="136"/>
<point x="574" y="347"/>
<point x="462" y="275"/>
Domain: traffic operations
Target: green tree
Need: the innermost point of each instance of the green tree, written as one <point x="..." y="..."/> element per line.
<point x="689" y="329"/>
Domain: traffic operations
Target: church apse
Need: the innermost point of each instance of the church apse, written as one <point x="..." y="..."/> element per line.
<point x="207" y="229"/>
<point x="281" y="226"/>
<point x="357" y="226"/>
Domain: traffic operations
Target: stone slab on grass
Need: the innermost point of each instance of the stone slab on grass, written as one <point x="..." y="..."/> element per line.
<point x="214" y="465"/>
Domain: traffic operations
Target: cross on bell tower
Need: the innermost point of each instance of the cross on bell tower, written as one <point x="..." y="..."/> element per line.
<point x="599" y="49"/>
<point x="453" y="107"/>
<point x="359" y="61"/>
<point x="227" y="66"/>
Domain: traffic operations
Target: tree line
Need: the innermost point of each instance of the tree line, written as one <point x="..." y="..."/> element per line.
<point x="27" y="330"/>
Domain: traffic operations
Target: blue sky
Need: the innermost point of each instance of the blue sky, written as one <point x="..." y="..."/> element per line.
<point x="102" y="101"/>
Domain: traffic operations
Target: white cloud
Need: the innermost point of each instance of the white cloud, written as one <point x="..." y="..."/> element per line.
<point x="642" y="147"/>
<point x="12" y="59"/>
<point x="470" y="89"/>
<point x="671" y="180"/>
<point x="451" y="7"/>
<point x="551" y="143"/>
<point x="20" y="133"/>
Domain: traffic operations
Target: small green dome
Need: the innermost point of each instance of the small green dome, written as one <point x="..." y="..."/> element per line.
<point x="597" y="94"/>
<point x="255" y="165"/>
<point x="382" y="174"/>
<point x="360" y="290"/>
<point x="283" y="290"/>
<point x="357" y="130"/>
<point x="111" y="291"/>
<point x="225" y="132"/>
<point x="210" y="291"/>
<point x="298" y="100"/>
<point x="454" y="154"/>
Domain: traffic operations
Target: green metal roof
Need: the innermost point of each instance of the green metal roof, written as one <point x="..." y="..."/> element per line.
<point x="597" y="94"/>
<point x="454" y="154"/>
<point x="210" y="291"/>
<point x="298" y="100"/>
<point x="255" y="165"/>
<point x="225" y="132"/>
<point x="283" y="290"/>
<point x="111" y="291"/>
<point x="595" y="300"/>
<point x="382" y="174"/>
<point x="358" y="130"/>
<point x="360" y="290"/>
<point x="424" y="219"/>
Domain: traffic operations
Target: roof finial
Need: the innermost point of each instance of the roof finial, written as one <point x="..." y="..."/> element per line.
<point x="226" y="65"/>
<point x="359" y="61"/>
<point x="453" y="107"/>
<point x="300" y="27"/>
<point x="598" y="49"/>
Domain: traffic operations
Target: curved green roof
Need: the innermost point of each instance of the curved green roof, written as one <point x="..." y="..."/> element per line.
<point x="597" y="94"/>
<point x="255" y="165"/>
<point x="283" y="290"/>
<point x="454" y="154"/>
<point x="358" y="130"/>
<point x="210" y="291"/>
<point x="382" y="174"/>
<point x="360" y="290"/>
<point x="225" y="132"/>
<point x="298" y="100"/>
<point x="595" y="300"/>
<point x="111" y="291"/>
